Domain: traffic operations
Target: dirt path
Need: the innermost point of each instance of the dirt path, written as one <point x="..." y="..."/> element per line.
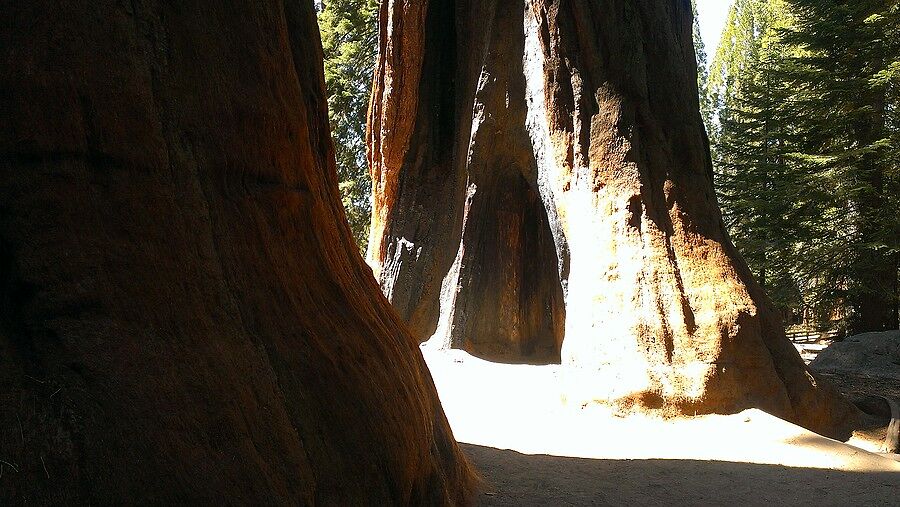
<point x="535" y="446"/>
<point x="516" y="479"/>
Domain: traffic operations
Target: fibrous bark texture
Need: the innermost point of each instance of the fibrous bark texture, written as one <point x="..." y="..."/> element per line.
<point x="543" y="190"/>
<point x="183" y="314"/>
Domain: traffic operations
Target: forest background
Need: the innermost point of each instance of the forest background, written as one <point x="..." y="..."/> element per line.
<point x="801" y="102"/>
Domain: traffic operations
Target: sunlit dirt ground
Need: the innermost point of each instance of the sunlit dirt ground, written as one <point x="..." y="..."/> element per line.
<point x="536" y="444"/>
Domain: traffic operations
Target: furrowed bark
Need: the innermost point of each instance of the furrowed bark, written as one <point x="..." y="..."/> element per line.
<point x="555" y="202"/>
<point x="183" y="314"/>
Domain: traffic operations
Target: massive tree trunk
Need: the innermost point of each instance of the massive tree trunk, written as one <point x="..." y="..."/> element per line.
<point x="543" y="191"/>
<point x="184" y="317"/>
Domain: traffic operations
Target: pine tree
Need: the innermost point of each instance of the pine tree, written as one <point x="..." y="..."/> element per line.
<point x="806" y="143"/>
<point x="757" y="178"/>
<point x="757" y="183"/>
<point x="706" y="108"/>
<point x="845" y="76"/>
<point x="738" y="46"/>
<point x="349" y="31"/>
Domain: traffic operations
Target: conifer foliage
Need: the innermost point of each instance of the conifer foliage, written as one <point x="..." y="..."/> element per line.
<point x="349" y="31"/>
<point x="702" y="67"/>
<point x="805" y="138"/>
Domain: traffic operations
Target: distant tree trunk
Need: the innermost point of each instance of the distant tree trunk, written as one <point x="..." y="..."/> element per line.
<point x="184" y="317"/>
<point x="875" y="271"/>
<point x="543" y="190"/>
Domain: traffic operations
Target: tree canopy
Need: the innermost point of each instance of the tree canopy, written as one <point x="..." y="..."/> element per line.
<point x="805" y="142"/>
<point x="349" y="31"/>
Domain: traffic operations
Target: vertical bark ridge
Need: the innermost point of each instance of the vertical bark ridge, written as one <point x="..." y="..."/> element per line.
<point x="585" y="120"/>
<point x="189" y="319"/>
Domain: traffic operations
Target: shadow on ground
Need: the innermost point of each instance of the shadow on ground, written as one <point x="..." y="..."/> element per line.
<point x="512" y="478"/>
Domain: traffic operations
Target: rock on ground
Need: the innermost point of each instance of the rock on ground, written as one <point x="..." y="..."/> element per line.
<point x="869" y="354"/>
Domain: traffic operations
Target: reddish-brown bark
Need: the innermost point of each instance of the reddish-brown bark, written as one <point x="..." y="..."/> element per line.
<point x="555" y="201"/>
<point x="183" y="314"/>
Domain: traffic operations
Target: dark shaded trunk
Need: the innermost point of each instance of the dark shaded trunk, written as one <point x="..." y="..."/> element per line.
<point x="875" y="301"/>
<point x="183" y="314"/>
<point x="511" y="305"/>
<point x="577" y="125"/>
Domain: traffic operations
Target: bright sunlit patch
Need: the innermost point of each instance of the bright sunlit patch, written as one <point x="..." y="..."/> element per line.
<point x="529" y="409"/>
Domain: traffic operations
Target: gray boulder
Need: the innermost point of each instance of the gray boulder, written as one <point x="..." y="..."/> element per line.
<point x="868" y="354"/>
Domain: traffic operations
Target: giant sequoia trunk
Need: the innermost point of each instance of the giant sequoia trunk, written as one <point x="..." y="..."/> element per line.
<point x="543" y="191"/>
<point x="183" y="314"/>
